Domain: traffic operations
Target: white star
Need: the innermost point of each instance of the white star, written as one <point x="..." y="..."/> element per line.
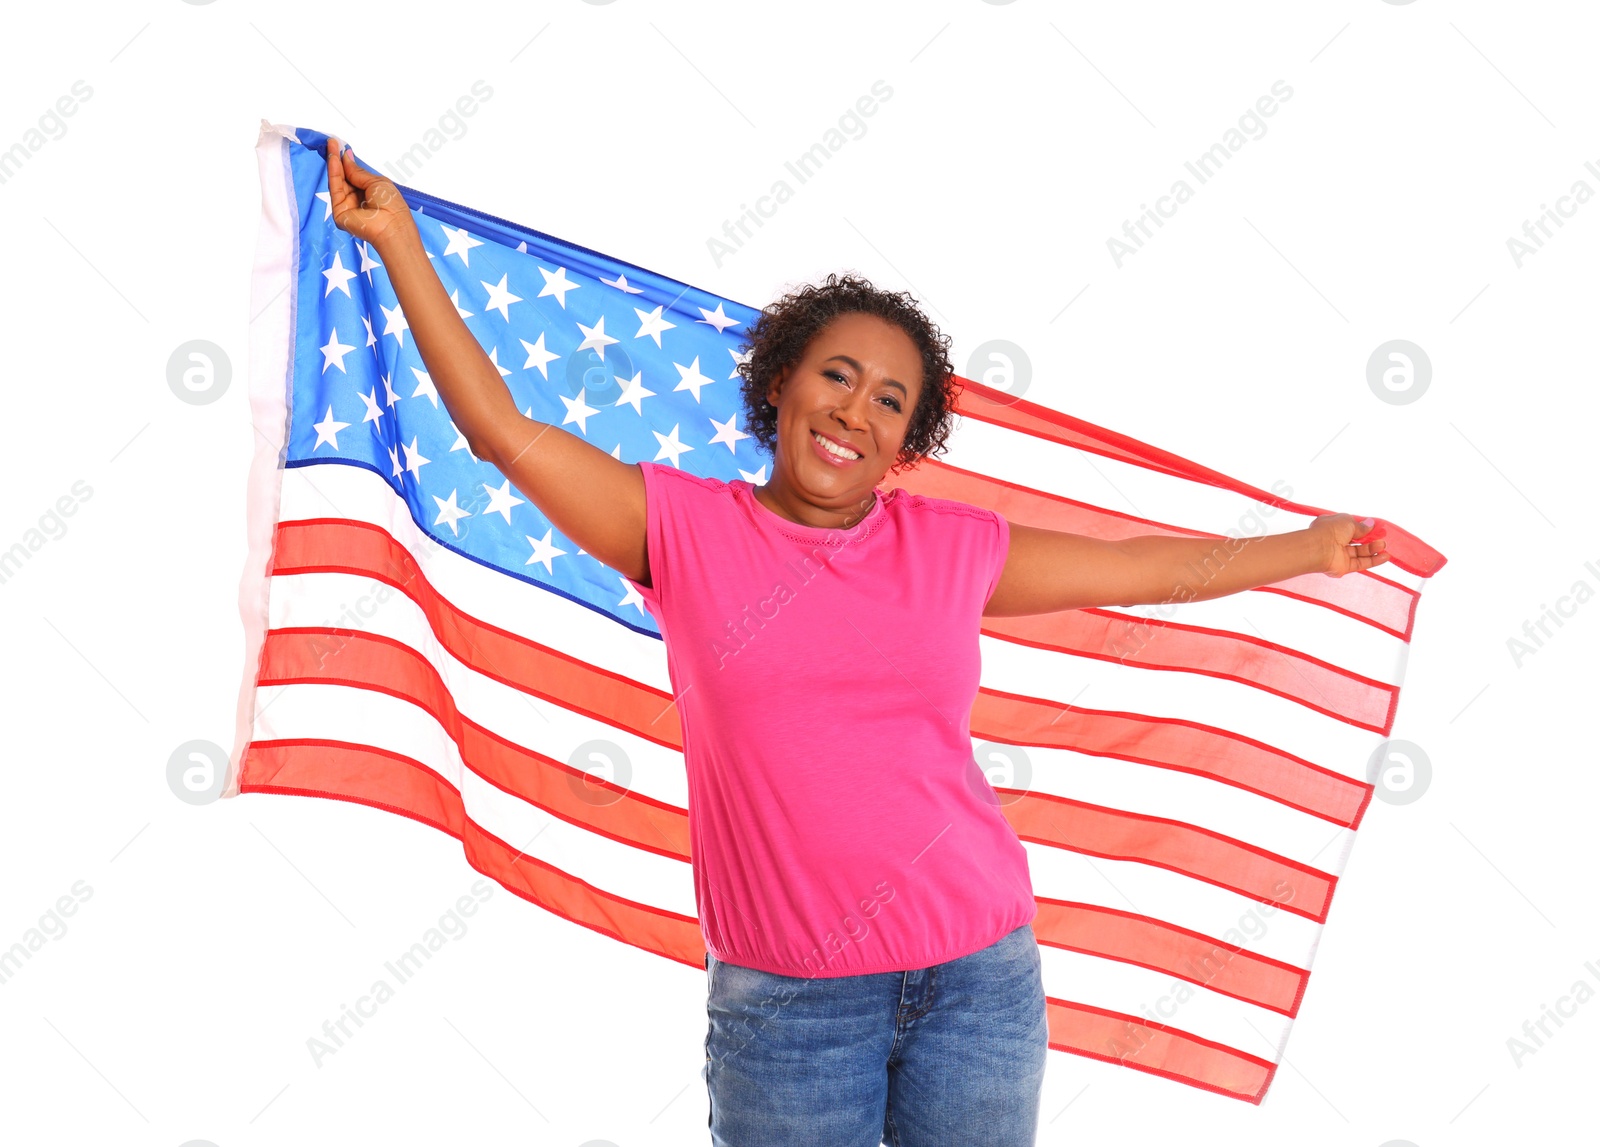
<point x="728" y="432"/>
<point x="367" y="262"/>
<point x="717" y="319"/>
<point x="333" y="353"/>
<point x="455" y="301"/>
<point x="616" y="452"/>
<point x="692" y="378"/>
<point x="394" y="456"/>
<point x="632" y="598"/>
<point x="738" y="361"/>
<point x="328" y="200"/>
<point x="671" y="448"/>
<point x="523" y="246"/>
<point x="621" y="284"/>
<point x="651" y="323"/>
<point x="461" y="443"/>
<point x="425" y="387"/>
<point x="596" y="337"/>
<point x="543" y="551"/>
<point x="374" y="411"/>
<point x="366" y="321"/>
<point x="499" y="297"/>
<point x="759" y="478"/>
<point x="414" y="459"/>
<point x="502" y="500"/>
<point x="395" y="322"/>
<point x="390" y="397"/>
<point x="494" y="357"/>
<point x="538" y="356"/>
<point x="460" y="242"/>
<point x="328" y="430"/>
<point x="338" y="277"/>
<point x="557" y="285"/>
<point x="634" y="392"/>
<point x="450" y="513"/>
<point x="577" y="411"/>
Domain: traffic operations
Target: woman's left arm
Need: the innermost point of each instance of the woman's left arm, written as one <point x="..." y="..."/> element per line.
<point x="1048" y="570"/>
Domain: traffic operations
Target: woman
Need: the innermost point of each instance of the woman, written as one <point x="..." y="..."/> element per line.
<point x="872" y="968"/>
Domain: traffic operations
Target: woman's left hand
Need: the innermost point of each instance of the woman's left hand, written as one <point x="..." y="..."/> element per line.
<point x="1350" y="543"/>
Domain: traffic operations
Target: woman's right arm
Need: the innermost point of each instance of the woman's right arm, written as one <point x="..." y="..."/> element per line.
<point x="596" y="500"/>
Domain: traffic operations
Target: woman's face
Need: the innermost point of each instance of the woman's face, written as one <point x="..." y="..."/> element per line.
<point x="856" y="385"/>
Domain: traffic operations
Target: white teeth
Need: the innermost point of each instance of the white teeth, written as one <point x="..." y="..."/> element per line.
<point x="834" y="448"/>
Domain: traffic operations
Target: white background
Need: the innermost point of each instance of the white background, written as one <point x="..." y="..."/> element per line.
<point x="1018" y="139"/>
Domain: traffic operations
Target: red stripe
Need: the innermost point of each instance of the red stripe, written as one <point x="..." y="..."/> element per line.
<point x="1132" y="1041"/>
<point x="340" y="546"/>
<point x="1408" y="551"/>
<point x="388" y="781"/>
<point x="363" y="774"/>
<point x="384" y="665"/>
<point x="1218" y="964"/>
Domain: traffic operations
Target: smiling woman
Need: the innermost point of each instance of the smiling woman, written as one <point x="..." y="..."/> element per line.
<point x="822" y="639"/>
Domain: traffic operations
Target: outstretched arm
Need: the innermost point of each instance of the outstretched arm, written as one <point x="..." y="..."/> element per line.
<point x="1048" y="570"/>
<point x="596" y="500"/>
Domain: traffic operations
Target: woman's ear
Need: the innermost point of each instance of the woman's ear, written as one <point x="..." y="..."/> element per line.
<point x="777" y="383"/>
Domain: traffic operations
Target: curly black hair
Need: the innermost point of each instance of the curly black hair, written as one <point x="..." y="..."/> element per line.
<point x="786" y="327"/>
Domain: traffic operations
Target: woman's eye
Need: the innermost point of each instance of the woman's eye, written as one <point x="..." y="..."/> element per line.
<point x="833" y="374"/>
<point x="894" y="404"/>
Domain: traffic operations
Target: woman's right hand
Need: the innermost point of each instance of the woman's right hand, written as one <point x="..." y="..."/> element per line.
<point x="364" y="203"/>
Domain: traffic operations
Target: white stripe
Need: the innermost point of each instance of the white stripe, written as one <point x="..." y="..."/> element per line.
<point x="1163" y="998"/>
<point x="1175" y="899"/>
<point x="271" y="352"/>
<point x="321" y="599"/>
<point x="363" y="717"/>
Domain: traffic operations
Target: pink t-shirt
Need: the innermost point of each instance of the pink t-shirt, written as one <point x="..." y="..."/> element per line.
<point x="838" y="823"/>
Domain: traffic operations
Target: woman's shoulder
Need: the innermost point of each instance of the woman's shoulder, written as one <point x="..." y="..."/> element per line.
<point x="925" y="505"/>
<point x="662" y="472"/>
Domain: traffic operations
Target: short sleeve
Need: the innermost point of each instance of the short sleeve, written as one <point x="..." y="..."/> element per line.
<point x="655" y="491"/>
<point x="1001" y="539"/>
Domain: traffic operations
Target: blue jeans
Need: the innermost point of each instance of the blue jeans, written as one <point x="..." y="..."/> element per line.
<point x="951" y="1054"/>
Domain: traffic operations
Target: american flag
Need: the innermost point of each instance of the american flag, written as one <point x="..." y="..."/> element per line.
<point x="1187" y="778"/>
